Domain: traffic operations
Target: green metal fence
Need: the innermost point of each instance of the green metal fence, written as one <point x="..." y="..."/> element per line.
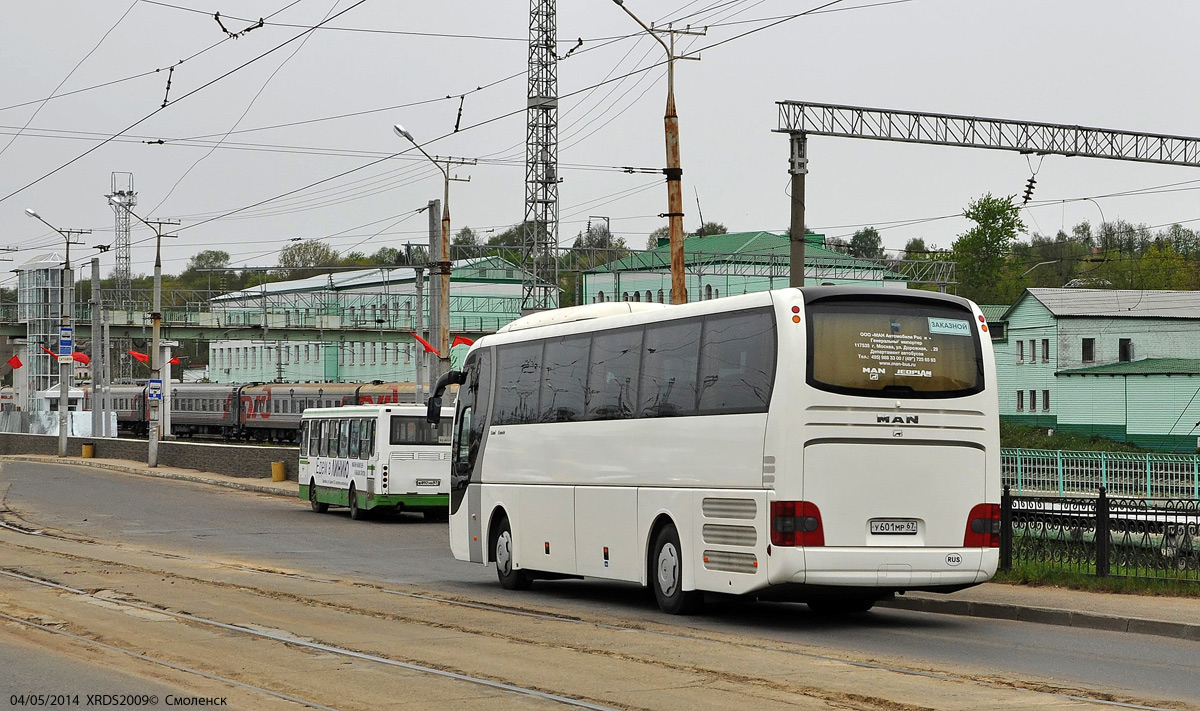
<point x="1067" y="473"/>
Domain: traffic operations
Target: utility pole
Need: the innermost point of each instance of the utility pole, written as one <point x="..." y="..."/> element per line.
<point x="122" y="198"/>
<point x="66" y="335"/>
<point x="97" y="350"/>
<point x="798" y="168"/>
<point x="419" y="326"/>
<point x="673" y="171"/>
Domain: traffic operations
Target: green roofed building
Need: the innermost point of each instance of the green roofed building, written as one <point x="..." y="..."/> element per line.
<point x="1123" y="364"/>
<point x="729" y="264"/>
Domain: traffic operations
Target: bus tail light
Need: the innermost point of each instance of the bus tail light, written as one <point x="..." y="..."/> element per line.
<point x="983" y="527"/>
<point x="796" y="523"/>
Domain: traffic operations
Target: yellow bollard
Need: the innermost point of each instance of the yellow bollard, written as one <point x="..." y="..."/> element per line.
<point x="89" y="451"/>
<point x="278" y="471"/>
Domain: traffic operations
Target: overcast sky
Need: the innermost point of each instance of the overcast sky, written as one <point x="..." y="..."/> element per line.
<point x="1099" y="63"/>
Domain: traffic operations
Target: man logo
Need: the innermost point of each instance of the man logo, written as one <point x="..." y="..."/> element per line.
<point x="898" y="420"/>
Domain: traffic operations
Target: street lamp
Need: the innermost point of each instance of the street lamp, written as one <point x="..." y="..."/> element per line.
<point x="673" y="172"/>
<point x="64" y="364"/>
<point x="443" y="266"/>
<point x="155" y="398"/>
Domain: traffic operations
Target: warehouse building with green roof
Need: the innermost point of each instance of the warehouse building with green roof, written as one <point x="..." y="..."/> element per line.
<point x="727" y="265"/>
<point x="1123" y="364"/>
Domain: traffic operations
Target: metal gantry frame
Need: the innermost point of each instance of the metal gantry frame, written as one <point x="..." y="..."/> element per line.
<point x="799" y="119"/>
<point x="539" y="232"/>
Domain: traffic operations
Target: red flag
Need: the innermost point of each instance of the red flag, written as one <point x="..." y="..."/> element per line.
<point x="15" y="362"/>
<point x="49" y="352"/>
<point x="81" y="358"/>
<point x="140" y="357"/>
<point x="174" y="361"/>
<point x="428" y="348"/>
<point x="460" y="340"/>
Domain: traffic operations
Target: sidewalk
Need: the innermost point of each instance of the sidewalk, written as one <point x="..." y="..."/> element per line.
<point x="1162" y="616"/>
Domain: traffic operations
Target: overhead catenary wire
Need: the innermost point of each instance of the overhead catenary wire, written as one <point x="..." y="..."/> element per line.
<point x="193" y="92"/>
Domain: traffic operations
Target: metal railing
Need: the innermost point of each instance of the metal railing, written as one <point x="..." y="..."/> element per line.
<point x="1065" y="473"/>
<point x="1102" y="536"/>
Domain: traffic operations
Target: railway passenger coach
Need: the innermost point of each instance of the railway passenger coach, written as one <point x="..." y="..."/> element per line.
<point x="261" y="412"/>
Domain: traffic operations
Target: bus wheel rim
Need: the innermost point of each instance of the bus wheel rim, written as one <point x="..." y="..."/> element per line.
<point x="668" y="569"/>
<point x="504" y="552"/>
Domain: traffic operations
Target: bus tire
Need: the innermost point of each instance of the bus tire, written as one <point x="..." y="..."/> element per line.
<point x="356" y="514"/>
<point x="666" y="576"/>
<point x="318" y="506"/>
<point x="510" y="578"/>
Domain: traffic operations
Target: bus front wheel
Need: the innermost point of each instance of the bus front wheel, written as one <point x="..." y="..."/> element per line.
<point x="317" y="506"/>
<point x="666" y="575"/>
<point x="510" y="578"/>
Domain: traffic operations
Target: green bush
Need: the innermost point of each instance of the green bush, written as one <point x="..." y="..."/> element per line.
<point x="1024" y="437"/>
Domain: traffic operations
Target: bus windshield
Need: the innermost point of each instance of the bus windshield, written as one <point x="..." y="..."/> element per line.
<point x="406" y="429"/>
<point x="893" y="348"/>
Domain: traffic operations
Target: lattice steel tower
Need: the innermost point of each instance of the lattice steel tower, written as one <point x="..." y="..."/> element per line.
<point x="539" y="279"/>
<point x="122" y="199"/>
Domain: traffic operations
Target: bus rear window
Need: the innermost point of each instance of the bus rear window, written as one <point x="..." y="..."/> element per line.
<point x="893" y="348"/>
<point x="415" y="430"/>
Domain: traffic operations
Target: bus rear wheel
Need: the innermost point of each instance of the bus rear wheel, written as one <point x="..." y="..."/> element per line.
<point x="666" y="576"/>
<point x="356" y="514"/>
<point x="502" y="551"/>
<point x="318" y="506"/>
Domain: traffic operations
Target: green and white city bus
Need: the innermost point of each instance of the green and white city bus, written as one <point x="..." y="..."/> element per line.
<point x="375" y="457"/>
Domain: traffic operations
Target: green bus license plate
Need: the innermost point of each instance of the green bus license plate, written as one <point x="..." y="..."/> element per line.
<point x="894" y="528"/>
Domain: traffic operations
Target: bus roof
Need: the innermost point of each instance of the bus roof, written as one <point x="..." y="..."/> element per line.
<point x="370" y="410"/>
<point x="578" y="313"/>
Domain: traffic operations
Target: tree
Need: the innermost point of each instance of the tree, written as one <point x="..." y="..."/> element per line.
<point x="193" y="278"/>
<point x="466" y="237"/>
<point x="867" y="243"/>
<point x="711" y="228"/>
<point x="836" y="244"/>
<point x="309" y="253"/>
<point x="662" y="233"/>
<point x="915" y="249"/>
<point x="982" y="252"/>
<point x="208" y="259"/>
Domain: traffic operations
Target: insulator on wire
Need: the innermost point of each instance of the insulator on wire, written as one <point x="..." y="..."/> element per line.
<point x="1029" y="190"/>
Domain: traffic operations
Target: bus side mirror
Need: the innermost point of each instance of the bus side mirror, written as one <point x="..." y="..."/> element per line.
<point x="433" y="412"/>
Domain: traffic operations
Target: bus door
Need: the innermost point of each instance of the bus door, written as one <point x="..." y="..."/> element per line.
<point x="470" y="437"/>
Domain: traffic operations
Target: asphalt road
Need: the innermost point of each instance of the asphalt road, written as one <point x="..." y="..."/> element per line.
<point x="262" y="530"/>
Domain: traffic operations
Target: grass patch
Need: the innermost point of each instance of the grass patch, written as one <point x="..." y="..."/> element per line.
<point x="1025" y="437"/>
<point x="1046" y="575"/>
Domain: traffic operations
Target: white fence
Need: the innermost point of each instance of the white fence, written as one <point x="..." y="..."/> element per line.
<point x="1065" y="473"/>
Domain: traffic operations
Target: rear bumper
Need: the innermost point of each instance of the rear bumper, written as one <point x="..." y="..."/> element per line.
<point x="886" y="568"/>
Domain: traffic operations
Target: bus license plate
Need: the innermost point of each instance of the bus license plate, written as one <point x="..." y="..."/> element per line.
<point x="894" y="528"/>
<point x="428" y="482"/>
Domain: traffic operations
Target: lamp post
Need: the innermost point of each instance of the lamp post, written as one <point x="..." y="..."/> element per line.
<point x="442" y="265"/>
<point x="154" y="396"/>
<point x="673" y="171"/>
<point x="64" y="364"/>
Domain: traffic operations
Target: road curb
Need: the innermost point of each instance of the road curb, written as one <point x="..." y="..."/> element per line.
<point x="1046" y="616"/>
<point x="158" y="474"/>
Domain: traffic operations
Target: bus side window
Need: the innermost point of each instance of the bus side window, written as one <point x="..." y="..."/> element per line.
<point x="368" y="436"/>
<point x="355" y="438"/>
<point x="304" y="439"/>
<point x="343" y="442"/>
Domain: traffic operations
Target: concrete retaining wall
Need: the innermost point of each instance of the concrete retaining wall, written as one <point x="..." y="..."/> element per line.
<point x="229" y="459"/>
